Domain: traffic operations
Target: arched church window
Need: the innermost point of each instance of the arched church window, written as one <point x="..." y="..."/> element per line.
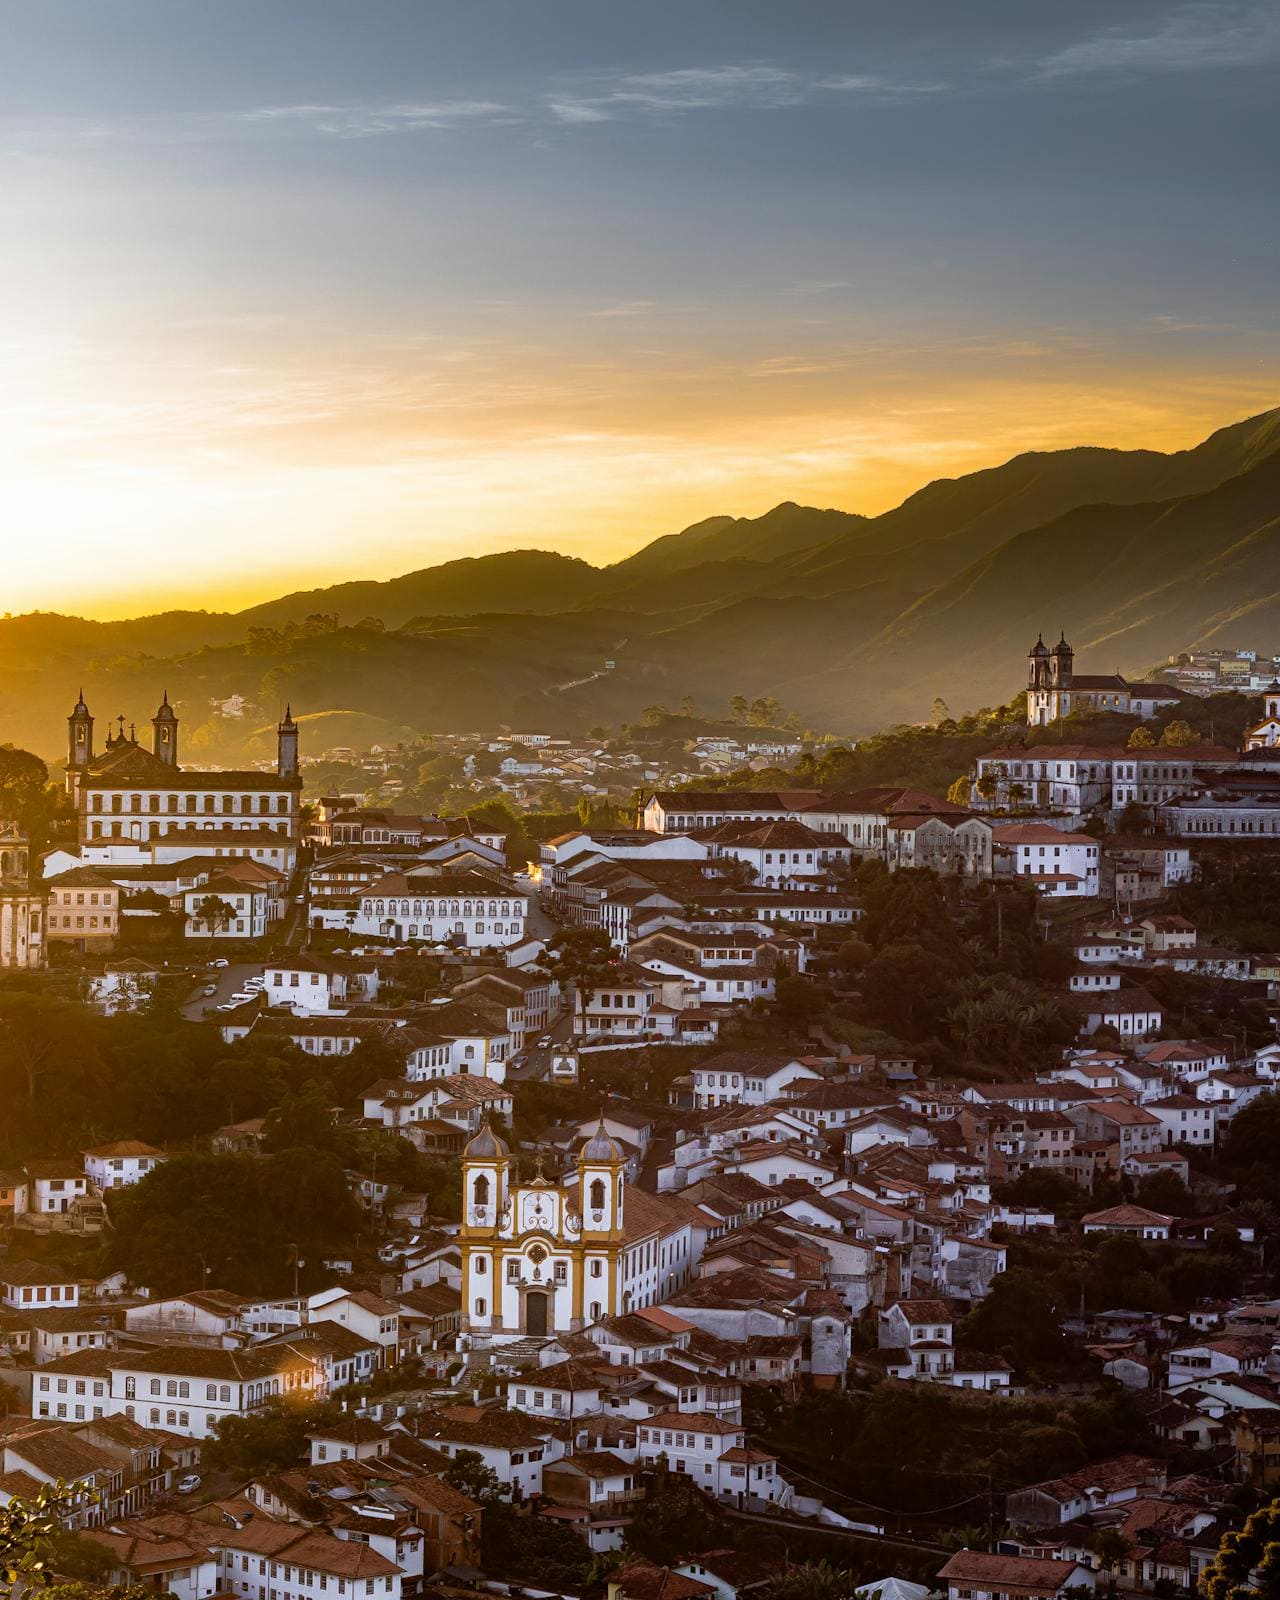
<point x="481" y="1190"/>
<point x="597" y="1194"/>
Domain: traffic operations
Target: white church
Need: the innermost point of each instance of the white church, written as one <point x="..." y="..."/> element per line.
<point x="542" y="1258"/>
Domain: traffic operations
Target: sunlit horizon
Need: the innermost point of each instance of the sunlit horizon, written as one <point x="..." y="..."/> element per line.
<point x="290" y="302"/>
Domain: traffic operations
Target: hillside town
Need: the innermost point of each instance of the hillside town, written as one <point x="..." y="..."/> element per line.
<point x="411" y="1200"/>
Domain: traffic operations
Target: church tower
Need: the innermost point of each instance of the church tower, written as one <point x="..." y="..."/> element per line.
<point x="287" y="745"/>
<point x="1061" y="664"/>
<point x="601" y="1163"/>
<point x="165" y="739"/>
<point x="1038" y="664"/>
<point x="79" y="736"/>
<point x="486" y="1180"/>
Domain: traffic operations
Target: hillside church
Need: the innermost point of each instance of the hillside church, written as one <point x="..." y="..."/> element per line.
<point x="542" y="1258"/>
<point x="135" y="804"/>
<point x="1055" y="689"/>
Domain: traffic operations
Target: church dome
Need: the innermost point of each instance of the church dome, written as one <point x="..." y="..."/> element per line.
<point x="600" y="1147"/>
<point x="166" y="713"/>
<point x="1039" y="648"/>
<point x="485" y="1146"/>
<point x="1062" y="648"/>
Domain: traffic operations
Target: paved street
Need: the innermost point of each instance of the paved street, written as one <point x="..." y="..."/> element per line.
<point x="228" y="980"/>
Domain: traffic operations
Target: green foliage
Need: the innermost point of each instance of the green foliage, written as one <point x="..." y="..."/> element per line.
<point x="268" y="1440"/>
<point x="1251" y="1553"/>
<point x="581" y="959"/>
<point x="672" y="1520"/>
<point x="811" y="1580"/>
<point x="1018" y="1319"/>
<point x="29" y="1533"/>
<point x="468" y="1474"/>
<point x="244" y="1214"/>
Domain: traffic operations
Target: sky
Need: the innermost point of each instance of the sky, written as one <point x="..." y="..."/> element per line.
<point x="295" y="291"/>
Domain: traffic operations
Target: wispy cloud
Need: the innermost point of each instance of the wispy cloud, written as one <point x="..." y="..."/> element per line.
<point x="738" y="86"/>
<point x="1190" y="38"/>
<point x="373" y="121"/>
<point x="625" y="308"/>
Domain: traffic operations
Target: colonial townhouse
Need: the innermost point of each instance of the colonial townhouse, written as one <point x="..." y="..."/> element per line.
<point x="952" y="846"/>
<point x="1185" y="1060"/>
<point x="225" y="907"/>
<point x="1053" y="862"/>
<point x="713" y="1454"/>
<point x="833" y="1106"/>
<point x="1126" y="1127"/>
<point x="975" y="1575"/>
<point x="747" y="1078"/>
<point x="781" y="855"/>
<point x="83" y="908"/>
<point x="55" y="1187"/>
<point x="1135" y="1222"/>
<point x="309" y="983"/>
<point x="514" y="1445"/>
<point x="682" y="810"/>
<point x="124" y="1162"/>
<point x="1186" y="1119"/>
<point x="1068" y="779"/>
<point x="534" y="995"/>
<point x="1153" y="777"/>
<point x="183" y="1390"/>
<point x="33" y="1285"/>
<point x="464" y="909"/>
<point x="367" y="1315"/>
<point x="1130" y="1010"/>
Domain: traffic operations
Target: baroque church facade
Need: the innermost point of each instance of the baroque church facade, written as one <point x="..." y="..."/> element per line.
<point x="134" y="803"/>
<point x="541" y="1258"/>
<point x="1055" y="689"/>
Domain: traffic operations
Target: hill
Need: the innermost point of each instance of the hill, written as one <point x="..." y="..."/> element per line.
<point x="851" y="621"/>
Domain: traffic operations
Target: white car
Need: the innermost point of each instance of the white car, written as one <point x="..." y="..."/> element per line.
<point x="220" y="962"/>
<point x="189" y="1484"/>
<point x="240" y="997"/>
<point x="210" y="989"/>
<point x="545" y="1042"/>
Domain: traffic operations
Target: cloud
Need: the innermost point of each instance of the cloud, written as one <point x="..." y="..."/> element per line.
<point x="368" y="122"/>
<point x="1190" y="38"/>
<point x="625" y="308"/>
<point x="734" y="87"/>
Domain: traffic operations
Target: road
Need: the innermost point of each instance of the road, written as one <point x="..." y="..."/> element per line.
<point x="537" y="1062"/>
<point x="229" y="980"/>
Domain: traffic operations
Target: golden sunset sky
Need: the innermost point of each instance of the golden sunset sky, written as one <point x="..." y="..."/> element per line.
<point x="314" y="290"/>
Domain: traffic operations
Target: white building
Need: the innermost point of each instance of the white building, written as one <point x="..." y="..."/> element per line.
<point x="126" y="1161"/>
<point x="463" y="909"/>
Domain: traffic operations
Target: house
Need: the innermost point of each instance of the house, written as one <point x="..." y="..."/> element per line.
<point x="713" y="1453"/>
<point x="53" y="1187"/>
<point x="365" y="1314"/>
<point x="1186" y="1119"/>
<point x="1057" y="864"/>
<point x="512" y="1444"/>
<point x="975" y="1575"/>
<point x="124" y="1162"/>
<point x="31" y="1285"/>
<point x="743" y="1077"/>
<point x="1136" y="1221"/>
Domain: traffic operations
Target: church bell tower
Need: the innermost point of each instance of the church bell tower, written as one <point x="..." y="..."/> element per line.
<point x="165" y="738"/>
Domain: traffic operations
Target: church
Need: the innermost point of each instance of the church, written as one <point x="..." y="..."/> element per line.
<point x="138" y="805"/>
<point x="1265" y="735"/>
<point x="22" y="907"/>
<point x="542" y="1258"/>
<point x="1055" y="689"/>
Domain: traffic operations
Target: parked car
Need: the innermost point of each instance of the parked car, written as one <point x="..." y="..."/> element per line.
<point x="189" y="1484"/>
<point x="210" y="988"/>
<point x="221" y="961"/>
<point x="545" y="1042"/>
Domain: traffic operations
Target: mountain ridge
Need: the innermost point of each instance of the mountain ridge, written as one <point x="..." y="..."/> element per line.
<point x="853" y="621"/>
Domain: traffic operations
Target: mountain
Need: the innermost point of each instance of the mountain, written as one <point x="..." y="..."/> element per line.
<point x="788" y="529"/>
<point x="851" y="621"/>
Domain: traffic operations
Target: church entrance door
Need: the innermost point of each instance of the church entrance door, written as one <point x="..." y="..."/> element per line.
<point x="536" y="1315"/>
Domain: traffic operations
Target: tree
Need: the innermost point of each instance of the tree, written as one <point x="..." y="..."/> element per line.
<point x="29" y="1531"/>
<point x="799" y="1001"/>
<point x="687" y="708"/>
<point x="215" y="913"/>
<point x="738" y="707"/>
<point x="267" y="1440"/>
<point x="581" y="958"/>
<point x="468" y="1474"/>
<point x="811" y="1580"/>
<point x="939" y="711"/>
<point x="1254" y="1548"/>
<point x="1178" y="734"/>
<point x="961" y="792"/>
<point x="652" y="715"/>
<point x="1142" y="739"/>
<point x="1018" y="1319"/>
